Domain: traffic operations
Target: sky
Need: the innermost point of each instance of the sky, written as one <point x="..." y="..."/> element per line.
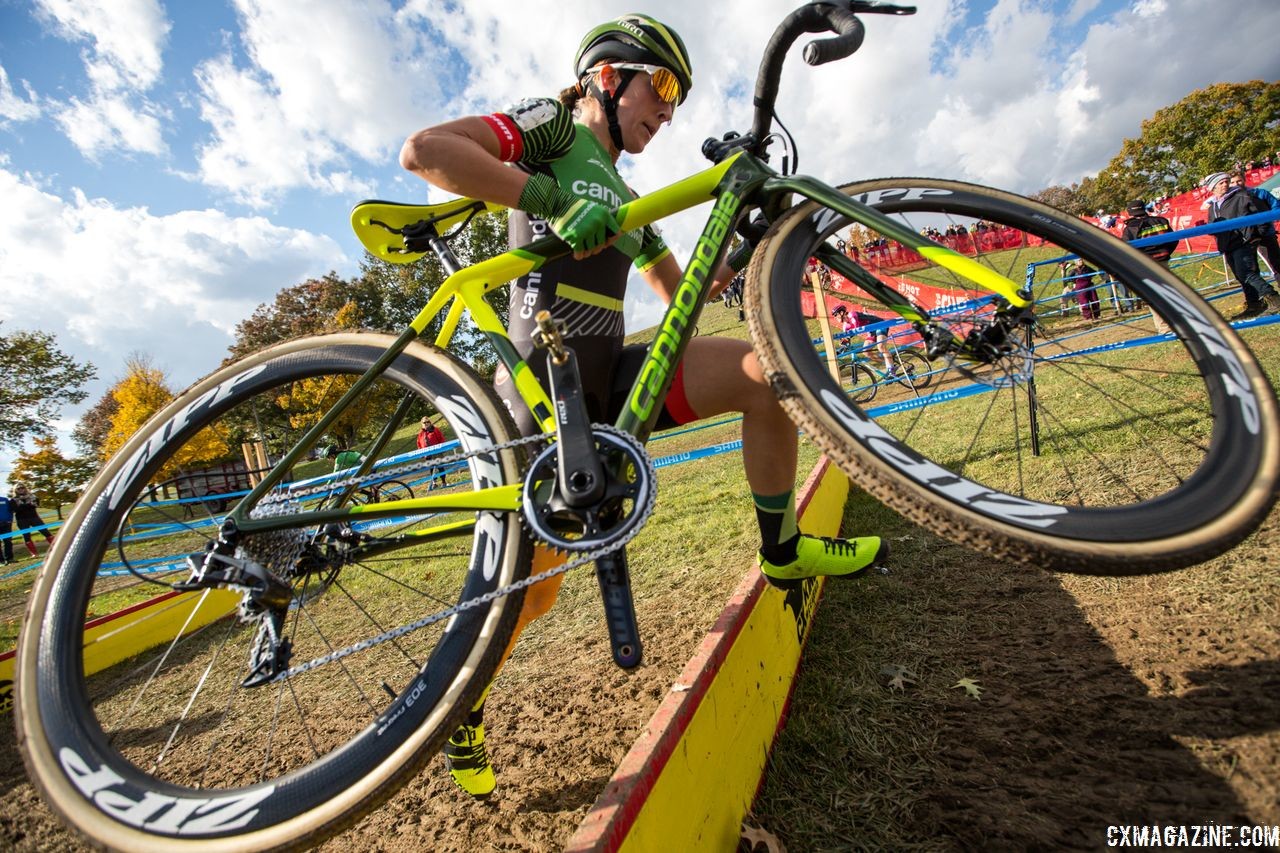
<point x="167" y="167"/>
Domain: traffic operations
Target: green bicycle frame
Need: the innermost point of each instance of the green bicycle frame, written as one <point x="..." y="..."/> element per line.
<point x="735" y="184"/>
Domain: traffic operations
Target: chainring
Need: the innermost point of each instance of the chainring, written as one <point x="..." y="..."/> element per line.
<point x="630" y="493"/>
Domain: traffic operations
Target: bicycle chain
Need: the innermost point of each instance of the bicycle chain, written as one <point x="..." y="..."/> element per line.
<point x="492" y="595"/>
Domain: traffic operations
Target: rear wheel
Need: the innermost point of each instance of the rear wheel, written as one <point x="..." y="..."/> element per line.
<point x="157" y="743"/>
<point x="1109" y="449"/>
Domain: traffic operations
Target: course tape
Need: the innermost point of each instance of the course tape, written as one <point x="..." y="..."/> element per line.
<point x="170" y="563"/>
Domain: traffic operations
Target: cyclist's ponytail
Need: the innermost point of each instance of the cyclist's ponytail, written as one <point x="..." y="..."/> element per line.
<point x="570" y="96"/>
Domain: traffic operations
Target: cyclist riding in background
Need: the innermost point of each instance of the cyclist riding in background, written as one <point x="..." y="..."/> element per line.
<point x="880" y="337"/>
<point x="552" y="161"/>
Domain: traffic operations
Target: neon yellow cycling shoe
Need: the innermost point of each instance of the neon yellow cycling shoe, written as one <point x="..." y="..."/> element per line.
<point x="468" y="761"/>
<point x="820" y="556"/>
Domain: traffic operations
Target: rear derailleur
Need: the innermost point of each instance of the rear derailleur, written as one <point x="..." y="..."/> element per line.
<point x="266" y="595"/>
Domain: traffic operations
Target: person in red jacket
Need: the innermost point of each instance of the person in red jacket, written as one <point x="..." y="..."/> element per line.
<point x="428" y="436"/>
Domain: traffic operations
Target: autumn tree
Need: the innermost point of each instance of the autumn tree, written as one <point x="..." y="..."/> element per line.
<point x="1062" y="197"/>
<point x="90" y="432"/>
<point x="39" y="378"/>
<point x="305" y="401"/>
<point x="142" y="393"/>
<point x="55" y="478"/>
<point x="1208" y="131"/>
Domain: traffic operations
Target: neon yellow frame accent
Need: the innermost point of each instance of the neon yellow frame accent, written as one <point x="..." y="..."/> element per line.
<point x="731" y="181"/>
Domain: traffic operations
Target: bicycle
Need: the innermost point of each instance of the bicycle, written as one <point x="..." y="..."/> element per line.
<point x="863" y="377"/>
<point x="348" y="655"/>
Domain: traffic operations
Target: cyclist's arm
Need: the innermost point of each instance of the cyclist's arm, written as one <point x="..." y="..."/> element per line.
<point x="462" y="157"/>
<point x="664" y="278"/>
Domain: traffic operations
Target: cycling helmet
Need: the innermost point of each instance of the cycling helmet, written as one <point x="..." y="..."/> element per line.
<point x="636" y="38"/>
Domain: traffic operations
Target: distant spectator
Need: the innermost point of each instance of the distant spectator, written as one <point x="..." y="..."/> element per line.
<point x="26" y="513"/>
<point x="6" y="526"/>
<point x="1240" y="247"/>
<point x="1139" y="225"/>
<point x="1081" y="275"/>
<point x="1267" y="244"/>
<point x="429" y="436"/>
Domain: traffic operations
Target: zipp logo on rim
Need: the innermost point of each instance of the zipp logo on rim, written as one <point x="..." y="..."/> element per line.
<point x="898" y="194"/>
<point x="1235" y="380"/>
<point x="159" y="812"/>
<point x="965" y="492"/>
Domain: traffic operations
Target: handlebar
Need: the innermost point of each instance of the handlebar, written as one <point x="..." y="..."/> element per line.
<point x="816" y="16"/>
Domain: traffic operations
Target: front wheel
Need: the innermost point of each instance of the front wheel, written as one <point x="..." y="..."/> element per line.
<point x="1112" y="450"/>
<point x="165" y="743"/>
<point x="914" y="371"/>
<point x="859" y="382"/>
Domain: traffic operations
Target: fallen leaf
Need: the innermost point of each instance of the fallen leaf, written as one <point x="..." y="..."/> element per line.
<point x="899" y="676"/>
<point x="754" y="836"/>
<point x="970" y="686"/>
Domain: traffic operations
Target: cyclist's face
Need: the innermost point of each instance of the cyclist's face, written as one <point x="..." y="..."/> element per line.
<point x="641" y="113"/>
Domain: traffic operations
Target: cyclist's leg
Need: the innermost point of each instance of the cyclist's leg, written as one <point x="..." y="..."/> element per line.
<point x="722" y="375"/>
<point x="466" y="753"/>
<point x="882" y="346"/>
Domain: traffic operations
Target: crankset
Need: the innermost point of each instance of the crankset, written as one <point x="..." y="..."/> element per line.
<point x="627" y="495"/>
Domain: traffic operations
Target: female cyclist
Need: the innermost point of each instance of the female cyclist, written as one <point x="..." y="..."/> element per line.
<point x="553" y="163"/>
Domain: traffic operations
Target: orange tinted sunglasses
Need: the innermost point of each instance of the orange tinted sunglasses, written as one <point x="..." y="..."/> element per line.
<point x="664" y="82"/>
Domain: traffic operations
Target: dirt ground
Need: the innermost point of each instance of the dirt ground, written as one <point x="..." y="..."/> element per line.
<point x="1105" y="702"/>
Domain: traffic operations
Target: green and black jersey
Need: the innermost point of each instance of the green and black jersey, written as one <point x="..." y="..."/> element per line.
<point x="586" y="296"/>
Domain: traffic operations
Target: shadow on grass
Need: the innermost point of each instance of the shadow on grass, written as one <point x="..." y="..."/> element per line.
<point x="1063" y="741"/>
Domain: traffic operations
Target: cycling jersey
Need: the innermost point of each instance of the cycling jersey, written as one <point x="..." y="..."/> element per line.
<point x="585" y="296"/>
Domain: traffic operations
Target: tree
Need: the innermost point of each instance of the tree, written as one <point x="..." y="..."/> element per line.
<point x="39" y="379"/>
<point x="303" y="309"/>
<point x="1208" y="131"/>
<point x="141" y="394"/>
<point x="1061" y="197"/>
<point x="51" y="475"/>
<point x="91" y="430"/>
<point x="307" y="400"/>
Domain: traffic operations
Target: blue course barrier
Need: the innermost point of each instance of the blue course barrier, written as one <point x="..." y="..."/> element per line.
<point x="171" y="563"/>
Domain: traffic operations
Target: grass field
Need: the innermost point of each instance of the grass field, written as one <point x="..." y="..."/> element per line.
<point x="1104" y="701"/>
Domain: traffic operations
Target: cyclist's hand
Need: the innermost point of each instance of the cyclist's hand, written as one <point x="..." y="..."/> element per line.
<point x="588" y="227"/>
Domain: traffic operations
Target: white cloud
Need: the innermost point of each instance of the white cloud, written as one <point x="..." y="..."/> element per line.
<point x="126" y="35"/>
<point x="14" y="108"/>
<point x="122" y="59"/>
<point x="329" y="83"/>
<point x="110" y="280"/>
<point x="111" y="121"/>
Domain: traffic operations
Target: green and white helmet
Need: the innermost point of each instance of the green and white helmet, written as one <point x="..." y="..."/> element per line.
<point x="636" y="38"/>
